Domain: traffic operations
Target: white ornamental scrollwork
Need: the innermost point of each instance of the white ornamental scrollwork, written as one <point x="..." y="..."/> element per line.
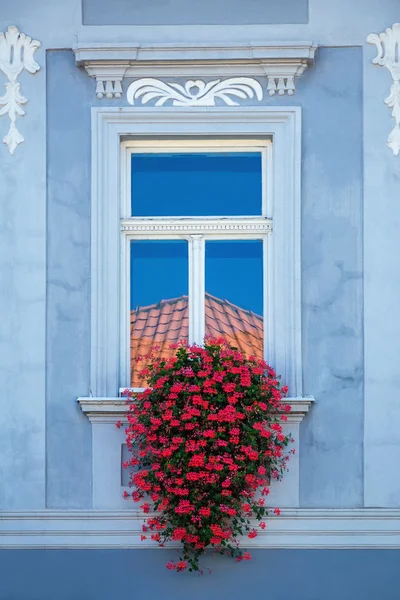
<point x="194" y="92"/>
<point x="16" y="54"/>
<point x="388" y="47"/>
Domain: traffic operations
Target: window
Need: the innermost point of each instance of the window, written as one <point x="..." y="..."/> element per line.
<point x="223" y="252"/>
<point x="174" y="142"/>
<point x="194" y="228"/>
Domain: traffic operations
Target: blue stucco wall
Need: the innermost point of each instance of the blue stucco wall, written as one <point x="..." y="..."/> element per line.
<point x="283" y="574"/>
<point x="332" y="435"/>
<point x="68" y="431"/>
<point x="331" y="468"/>
<point x="182" y="12"/>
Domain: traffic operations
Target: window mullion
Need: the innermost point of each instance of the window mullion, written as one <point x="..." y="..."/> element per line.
<point x="196" y="289"/>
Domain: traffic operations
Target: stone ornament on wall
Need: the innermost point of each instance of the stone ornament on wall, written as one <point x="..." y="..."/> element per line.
<point x="236" y="71"/>
<point x="16" y="54"/>
<point x="388" y="46"/>
<point x="194" y="92"/>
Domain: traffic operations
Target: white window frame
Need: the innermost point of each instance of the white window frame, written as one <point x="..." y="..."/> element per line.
<point x="110" y="126"/>
<point x="243" y="227"/>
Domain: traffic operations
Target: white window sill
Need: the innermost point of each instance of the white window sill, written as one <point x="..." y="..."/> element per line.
<point x="111" y="410"/>
<point x="108" y="440"/>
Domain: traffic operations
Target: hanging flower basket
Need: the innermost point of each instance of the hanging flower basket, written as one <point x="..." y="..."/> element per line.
<point x="206" y="439"/>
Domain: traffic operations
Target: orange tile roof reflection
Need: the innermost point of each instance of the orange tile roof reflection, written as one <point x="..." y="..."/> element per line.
<point x="167" y="322"/>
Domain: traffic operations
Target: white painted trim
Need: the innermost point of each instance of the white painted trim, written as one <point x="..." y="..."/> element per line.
<point x="196" y="289"/>
<point x="125" y="320"/>
<point x="284" y="312"/>
<point x="201" y="145"/>
<point x="154" y="227"/>
<point x="250" y="53"/>
<point x="294" y="528"/>
<point x="280" y="62"/>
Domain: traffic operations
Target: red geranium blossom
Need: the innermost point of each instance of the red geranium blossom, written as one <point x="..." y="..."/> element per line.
<point x="205" y="436"/>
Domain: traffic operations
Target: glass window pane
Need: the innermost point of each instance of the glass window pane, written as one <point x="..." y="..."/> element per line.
<point x="234" y="293"/>
<point x="159" y="298"/>
<point x="196" y="184"/>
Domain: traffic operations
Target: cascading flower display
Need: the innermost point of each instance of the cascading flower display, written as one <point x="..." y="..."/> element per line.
<point x="206" y="440"/>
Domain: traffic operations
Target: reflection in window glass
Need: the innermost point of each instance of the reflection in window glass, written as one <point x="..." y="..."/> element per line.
<point x="234" y="294"/>
<point x="159" y="298"/>
<point x="196" y="184"/>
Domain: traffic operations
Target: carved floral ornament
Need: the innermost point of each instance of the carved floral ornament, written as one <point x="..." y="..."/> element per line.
<point x="388" y="47"/>
<point x="16" y="54"/>
<point x="194" y="92"/>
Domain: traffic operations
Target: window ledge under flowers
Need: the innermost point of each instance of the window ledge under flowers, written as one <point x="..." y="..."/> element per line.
<point x="108" y="449"/>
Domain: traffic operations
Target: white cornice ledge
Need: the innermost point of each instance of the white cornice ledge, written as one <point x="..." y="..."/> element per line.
<point x="281" y="63"/>
<point x="294" y="528"/>
<point x="111" y="410"/>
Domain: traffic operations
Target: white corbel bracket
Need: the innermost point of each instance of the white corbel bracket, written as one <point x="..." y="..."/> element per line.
<point x="388" y="47"/>
<point x="16" y="54"/>
<point x="108" y="79"/>
<point x="232" y="67"/>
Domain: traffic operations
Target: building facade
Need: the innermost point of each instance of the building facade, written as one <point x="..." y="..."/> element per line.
<point x="241" y="155"/>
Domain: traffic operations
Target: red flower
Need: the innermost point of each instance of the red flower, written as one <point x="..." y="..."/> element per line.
<point x="277" y="511"/>
<point x="204" y="436"/>
<point x="215" y="541"/>
<point x="178" y="533"/>
<point x="217" y="531"/>
<point x="197" y="460"/>
<point x="209" y="433"/>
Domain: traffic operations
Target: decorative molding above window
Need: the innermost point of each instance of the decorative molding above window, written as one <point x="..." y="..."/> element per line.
<point x="230" y="65"/>
<point x="226" y="225"/>
<point x="388" y="47"/>
<point x="194" y="92"/>
<point x="16" y="54"/>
